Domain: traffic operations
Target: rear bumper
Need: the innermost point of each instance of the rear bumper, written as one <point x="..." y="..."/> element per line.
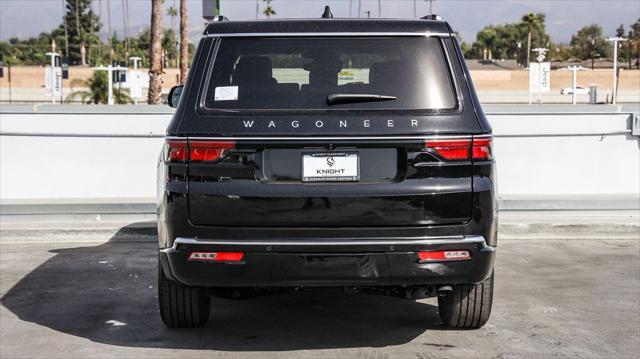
<point x="328" y="262"/>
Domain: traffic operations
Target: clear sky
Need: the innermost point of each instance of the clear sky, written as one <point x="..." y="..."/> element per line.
<point x="23" y="18"/>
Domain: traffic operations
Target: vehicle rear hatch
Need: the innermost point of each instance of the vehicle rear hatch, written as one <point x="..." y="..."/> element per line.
<point x="385" y="182"/>
<point x="393" y="149"/>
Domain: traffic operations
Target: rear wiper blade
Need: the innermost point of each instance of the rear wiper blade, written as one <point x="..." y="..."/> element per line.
<point x="340" y="98"/>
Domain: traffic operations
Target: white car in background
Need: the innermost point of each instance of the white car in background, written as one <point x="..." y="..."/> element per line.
<point x="579" y="91"/>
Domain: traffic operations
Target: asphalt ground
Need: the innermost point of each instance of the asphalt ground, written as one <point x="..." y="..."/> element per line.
<point x="575" y="297"/>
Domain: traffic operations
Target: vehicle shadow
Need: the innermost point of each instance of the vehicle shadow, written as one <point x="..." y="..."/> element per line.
<point x="107" y="294"/>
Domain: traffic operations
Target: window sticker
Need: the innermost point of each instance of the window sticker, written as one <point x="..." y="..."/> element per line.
<point x="226" y="93"/>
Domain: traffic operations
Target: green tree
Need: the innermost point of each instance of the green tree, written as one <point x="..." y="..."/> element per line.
<point x="170" y="47"/>
<point x="28" y="52"/>
<point x="80" y="20"/>
<point x="634" y="44"/>
<point x="506" y="41"/>
<point x="624" y="50"/>
<point x="97" y="90"/>
<point x="485" y="41"/>
<point x="589" y="43"/>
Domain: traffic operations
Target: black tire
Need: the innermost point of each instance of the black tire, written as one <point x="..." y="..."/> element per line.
<point x="468" y="306"/>
<point x="182" y="306"/>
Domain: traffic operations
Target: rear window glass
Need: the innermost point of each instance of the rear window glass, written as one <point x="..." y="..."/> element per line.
<point x="302" y="73"/>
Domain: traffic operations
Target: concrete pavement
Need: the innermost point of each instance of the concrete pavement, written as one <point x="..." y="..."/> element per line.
<point x="73" y="299"/>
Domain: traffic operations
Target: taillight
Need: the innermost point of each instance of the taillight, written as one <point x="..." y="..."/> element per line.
<point x="197" y="151"/>
<point x="481" y="149"/>
<point x="478" y="148"/>
<point x="451" y="149"/>
<point x="206" y="151"/>
<point x="176" y="151"/>
<point x="443" y="256"/>
<point x="216" y="256"/>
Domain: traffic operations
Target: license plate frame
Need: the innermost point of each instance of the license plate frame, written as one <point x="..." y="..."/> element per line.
<point x="328" y="163"/>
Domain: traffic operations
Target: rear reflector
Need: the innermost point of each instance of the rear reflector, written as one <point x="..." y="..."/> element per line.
<point x="216" y="256"/>
<point x="197" y="151"/>
<point x="478" y="148"/>
<point x="441" y="256"/>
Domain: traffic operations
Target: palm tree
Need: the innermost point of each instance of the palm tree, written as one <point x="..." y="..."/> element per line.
<point x="530" y="20"/>
<point x="269" y="10"/>
<point x="172" y="12"/>
<point x="184" y="42"/>
<point x="84" y="61"/>
<point x="66" y="32"/>
<point x="155" y="53"/>
<point x="97" y="90"/>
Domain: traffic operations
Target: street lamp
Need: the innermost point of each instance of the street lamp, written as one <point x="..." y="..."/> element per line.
<point x="575" y="70"/>
<point x="135" y="87"/>
<point x="109" y="70"/>
<point x="615" y="41"/>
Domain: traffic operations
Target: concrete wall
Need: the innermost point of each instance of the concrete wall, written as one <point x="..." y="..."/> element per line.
<point x="105" y="157"/>
<point x="33" y="77"/>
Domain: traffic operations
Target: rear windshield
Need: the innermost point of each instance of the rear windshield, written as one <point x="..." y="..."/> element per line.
<point x="303" y="73"/>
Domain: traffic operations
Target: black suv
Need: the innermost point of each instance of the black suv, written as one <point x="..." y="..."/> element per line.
<point x="345" y="153"/>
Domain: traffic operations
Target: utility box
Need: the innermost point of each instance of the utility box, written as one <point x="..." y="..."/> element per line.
<point x="593" y="94"/>
<point x="635" y="125"/>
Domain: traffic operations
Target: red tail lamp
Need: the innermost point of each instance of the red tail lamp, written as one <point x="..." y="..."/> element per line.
<point x="216" y="256"/>
<point x="443" y="256"/>
<point x="197" y="151"/>
<point x="478" y="148"/>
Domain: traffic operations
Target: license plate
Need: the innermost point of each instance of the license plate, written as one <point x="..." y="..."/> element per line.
<point x="330" y="167"/>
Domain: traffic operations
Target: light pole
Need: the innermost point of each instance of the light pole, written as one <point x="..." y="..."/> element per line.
<point x="109" y="70"/>
<point x="614" y="89"/>
<point x="575" y="70"/>
<point x="430" y="6"/>
<point x="134" y="80"/>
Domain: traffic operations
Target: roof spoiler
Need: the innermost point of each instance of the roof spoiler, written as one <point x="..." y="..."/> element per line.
<point x="327" y="13"/>
<point x="219" y="18"/>
<point x="431" y="17"/>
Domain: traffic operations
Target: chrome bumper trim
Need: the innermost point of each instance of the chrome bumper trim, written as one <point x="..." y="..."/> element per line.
<point x="318" y="242"/>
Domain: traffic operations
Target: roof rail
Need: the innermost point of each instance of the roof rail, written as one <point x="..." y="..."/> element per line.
<point x="432" y="17"/>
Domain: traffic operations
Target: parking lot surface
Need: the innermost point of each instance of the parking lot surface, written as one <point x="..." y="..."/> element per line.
<point x="554" y="298"/>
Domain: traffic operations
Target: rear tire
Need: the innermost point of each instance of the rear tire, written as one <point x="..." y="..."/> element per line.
<point x="468" y="306"/>
<point x="182" y="306"/>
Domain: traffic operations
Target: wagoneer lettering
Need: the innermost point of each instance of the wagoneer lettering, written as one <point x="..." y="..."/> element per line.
<point x="327" y="153"/>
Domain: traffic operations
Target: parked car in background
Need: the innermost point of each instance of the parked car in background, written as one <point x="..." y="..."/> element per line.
<point x="327" y="153"/>
<point x="579" y="91"/>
